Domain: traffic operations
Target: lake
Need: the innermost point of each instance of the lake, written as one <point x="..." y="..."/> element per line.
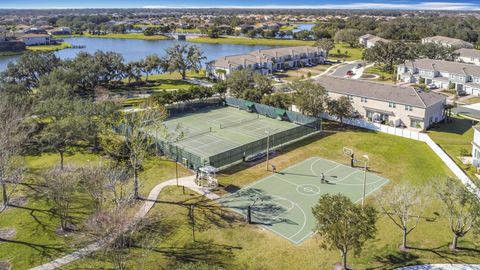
<point x="135" y="49"/>
<point x="303" y="26"/>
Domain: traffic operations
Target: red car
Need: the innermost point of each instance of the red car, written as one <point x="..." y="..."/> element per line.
<point x="350" y="73"/>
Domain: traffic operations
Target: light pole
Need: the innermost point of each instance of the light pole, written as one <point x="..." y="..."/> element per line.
<point x="364" y="179"/>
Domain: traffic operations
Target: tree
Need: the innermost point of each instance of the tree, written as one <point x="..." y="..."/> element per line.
<point x="151" y="63"/>
<point x="14" y="131"/>
<point x="149" y="31"/>
<point x="460" y="206"/>
<point x="340" y="108"/>
<point x="403" y="205"/>
<point x="183" y="57"/>
<point x="325" y="44"/>
<point x="29" y="68"/>
<point x="343" y="225"/>
<point x="134" y="128"/>
<point x="309" y="97"/>
<point x="388" y="54"/>
<point x="279" y="99"/>
<point x="349" y="36"/>
<point x="435" y="51"/>
<point x="60" y="186"/>
<point x="213" y="32"/>
<point x="248" y="84"/>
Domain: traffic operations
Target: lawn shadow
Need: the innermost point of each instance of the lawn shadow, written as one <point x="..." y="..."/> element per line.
<point x="396" y="259"/>
<point x="457" y="126"/>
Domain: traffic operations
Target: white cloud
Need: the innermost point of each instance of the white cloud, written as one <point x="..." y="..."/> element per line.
<point x="404" y="6"/>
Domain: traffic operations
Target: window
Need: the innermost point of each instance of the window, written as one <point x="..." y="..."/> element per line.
<point x="408" y="108"/>
<point x="350" y="98"/>
<point x="363" y="99"/>
<point x="392" y="105"/>
<point x="415" y="123"/>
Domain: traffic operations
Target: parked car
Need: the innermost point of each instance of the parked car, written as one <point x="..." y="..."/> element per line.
<point x="350" y="73"/>
<point x="432" y="86"/>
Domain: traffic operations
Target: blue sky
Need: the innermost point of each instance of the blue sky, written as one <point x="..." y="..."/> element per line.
<point x="307" y="4"/>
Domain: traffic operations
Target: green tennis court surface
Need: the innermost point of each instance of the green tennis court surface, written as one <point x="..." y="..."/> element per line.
<point x="210" y="131"/>
<point x="287" y="197"/>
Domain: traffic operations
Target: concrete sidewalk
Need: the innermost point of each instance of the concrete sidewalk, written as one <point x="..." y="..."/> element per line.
<point x="442" y="267"/>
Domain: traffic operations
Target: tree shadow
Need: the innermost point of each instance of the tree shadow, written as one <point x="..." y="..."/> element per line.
<point x="457" y="126"/>
<point x="396" y="259"/>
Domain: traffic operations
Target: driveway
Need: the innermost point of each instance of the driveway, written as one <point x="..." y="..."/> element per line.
<point x="342" y="70"/>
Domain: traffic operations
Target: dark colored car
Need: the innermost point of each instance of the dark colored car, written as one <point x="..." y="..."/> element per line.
<point x="349" y="73"/>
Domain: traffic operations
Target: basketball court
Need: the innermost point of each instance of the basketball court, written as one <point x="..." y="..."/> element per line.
<point x="282" y="202"/>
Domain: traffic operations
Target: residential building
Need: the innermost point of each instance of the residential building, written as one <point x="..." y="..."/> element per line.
<point x="470" y="56"/>
<point x="266" y="61"/>
<point x="447" y="42"/>
<point x="370" y="40"/>
<point x="476" y="146"/>
<point x="388" y="104"/>
<point x="37" y="39"/>
<point x="60" y="31"/>
<point x="465" y="78"/>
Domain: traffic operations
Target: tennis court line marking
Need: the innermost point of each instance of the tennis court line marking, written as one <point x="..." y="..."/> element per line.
<point x="303" y="238"/>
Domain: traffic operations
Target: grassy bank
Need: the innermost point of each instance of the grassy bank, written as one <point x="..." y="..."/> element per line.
<point x="121" y="36"/>
<point x="3" y="54"/>
<point x="383" y="76"/>
<point x="344" y="52"/>
<point x="225" y="240"/>
<point x="251" y="41"/>
<point x="49" y="48"/>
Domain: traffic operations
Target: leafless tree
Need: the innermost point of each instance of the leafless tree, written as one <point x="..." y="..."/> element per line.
<point x="94" y="181"/>
<point x="460" y="206"/>
<point x="119" y="185"/>
<point x="60" y="186"/>
<point x="403" y="204"/>
<point x="14" y="130"/>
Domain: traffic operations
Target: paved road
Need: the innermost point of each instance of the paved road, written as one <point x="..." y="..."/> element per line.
<point x="342" y="70"/>
<point x="467" y="111"/>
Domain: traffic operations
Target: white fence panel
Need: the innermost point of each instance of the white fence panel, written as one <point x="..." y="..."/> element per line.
<point x="414" y="135"/>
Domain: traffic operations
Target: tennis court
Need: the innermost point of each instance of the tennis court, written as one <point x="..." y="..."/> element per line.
<point x="284" y="200"/>
<point x="223" y="135"/>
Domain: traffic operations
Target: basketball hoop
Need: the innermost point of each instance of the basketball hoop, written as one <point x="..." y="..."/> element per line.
<point x="348" y="151"/>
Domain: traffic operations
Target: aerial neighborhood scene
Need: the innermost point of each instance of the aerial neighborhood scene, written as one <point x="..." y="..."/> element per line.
<point x="215" y="135"/>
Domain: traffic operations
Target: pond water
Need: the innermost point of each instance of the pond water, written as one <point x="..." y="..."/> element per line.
<point x="303" y="26"/>
<point x="135" y="49"/>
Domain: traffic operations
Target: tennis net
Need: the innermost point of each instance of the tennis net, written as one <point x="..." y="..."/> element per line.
<point x="190" y="134"/>
<point x="236" y="123"/>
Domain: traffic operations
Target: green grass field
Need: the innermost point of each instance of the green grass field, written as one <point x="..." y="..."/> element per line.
<point x="36" y="241"/>
<point x="384" y="76"/>
<point x="224" y="240"/>
<point x="344" y="52"/>
<point x="48" y="48"/>
<point x="454" y="138"/>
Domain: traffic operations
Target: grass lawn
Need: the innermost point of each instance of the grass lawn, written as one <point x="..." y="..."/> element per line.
<point x="472" y="100"/>
<point x="48" y="48"/>
<point x="36" y="241"/>
<point x="156" y="82"/>
<point x="2" y="54"/>
<point x="292" y="75"/>
<point x="225" y="240"/>
<point x="288" y="27"/>
<point x="122" y="36"/>
<point x="454" y="138"/>
<point x="251" y="41"/>
<point x="384" y="76"/>
<point x="181" y="30"/>
<point x="346" y="52"/>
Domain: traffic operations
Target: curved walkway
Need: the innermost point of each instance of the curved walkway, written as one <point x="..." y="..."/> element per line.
<point x="442" y="267"/>
<point x="188" y="182"/>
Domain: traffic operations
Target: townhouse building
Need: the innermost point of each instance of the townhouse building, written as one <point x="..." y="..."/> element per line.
<point x="266" y="61"/>
<point x="387" y="104"/>
<point x="464" y="78"/>
<point x="447" y="42"/>
<point x="37" y="39"/>
<point x="470" y="56"/>
<point x="370" y="40"/>
<point x="476" y="146"/>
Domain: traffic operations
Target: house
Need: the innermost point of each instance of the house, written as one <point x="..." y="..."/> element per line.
<point x="464" y="78"/>
<point x="37" y="39"/>
<point x="35" y="30"/>
<point x="470" y="56"/>
<point x="476" y="146"/>
<point x="447" y="42"/>
<point x="60" y="31"/>
<point x="388" y="104"/>
<point x="370" y="40"/>
<point x="265" y="61"/>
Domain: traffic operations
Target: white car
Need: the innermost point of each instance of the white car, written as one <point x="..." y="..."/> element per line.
<point x="432" y="86"/>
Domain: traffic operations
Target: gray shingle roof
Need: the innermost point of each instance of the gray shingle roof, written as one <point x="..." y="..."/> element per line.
<point x="450" y="41"/>
<point x="446" y="66"/>
<point x="380" y="91"/>
<point x="464" y="52"/>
